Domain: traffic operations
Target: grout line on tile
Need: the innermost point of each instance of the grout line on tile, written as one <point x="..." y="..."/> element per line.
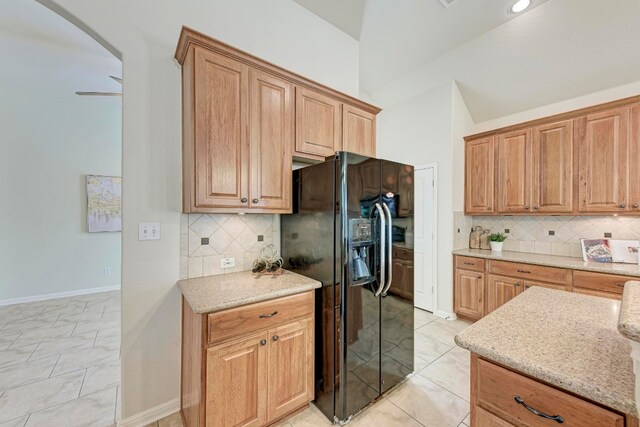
<point x="413" y="418"/>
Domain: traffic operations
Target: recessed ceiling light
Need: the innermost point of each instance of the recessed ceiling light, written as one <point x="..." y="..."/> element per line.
<point x="520" y="6"/>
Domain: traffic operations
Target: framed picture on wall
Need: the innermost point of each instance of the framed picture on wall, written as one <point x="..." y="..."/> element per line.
<point x="104" y="203"/>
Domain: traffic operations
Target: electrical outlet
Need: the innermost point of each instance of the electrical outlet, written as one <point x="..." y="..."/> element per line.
<point x="149" y="231"/>
<point x="227" y="262"/>
<point x="107" y="271"/>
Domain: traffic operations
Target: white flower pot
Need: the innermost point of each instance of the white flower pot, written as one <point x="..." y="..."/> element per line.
<point x="496" y="246"/>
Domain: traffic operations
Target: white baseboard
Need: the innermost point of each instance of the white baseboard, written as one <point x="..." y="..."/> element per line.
<point x="66" y="294"/>
<point x="445" y="315"/>
<point x="151" y="415"/>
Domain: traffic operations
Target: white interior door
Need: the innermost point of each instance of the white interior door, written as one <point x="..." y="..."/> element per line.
<point x="424" y="246"/>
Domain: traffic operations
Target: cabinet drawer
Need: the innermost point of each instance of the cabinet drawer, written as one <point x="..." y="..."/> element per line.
<point x="251" y="318"/>
<point x="599" y="282"/>
<point x="530" y="271"/>
<point x="498" y="387"/>
<point x="468" y="263"/>
<point x="487" y="419"/>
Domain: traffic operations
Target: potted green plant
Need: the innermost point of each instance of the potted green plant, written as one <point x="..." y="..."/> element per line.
<point x="496" y="240"/>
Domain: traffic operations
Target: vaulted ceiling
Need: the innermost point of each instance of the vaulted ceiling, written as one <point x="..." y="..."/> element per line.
<point x="503" y="63"/>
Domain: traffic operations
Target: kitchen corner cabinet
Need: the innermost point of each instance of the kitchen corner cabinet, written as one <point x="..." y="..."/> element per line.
<point x="479" y="191"/>
<point x="247" y="366"/>
<point x="244" y="120"/>
<point x="578" y="163"/>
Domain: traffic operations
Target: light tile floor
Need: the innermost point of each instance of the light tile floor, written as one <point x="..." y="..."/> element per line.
<point x="436" y="394"/>
<point x="60" y="362"/>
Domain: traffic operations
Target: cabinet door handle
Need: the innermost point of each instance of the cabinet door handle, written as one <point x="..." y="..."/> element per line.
<point x="556" y="418"/>
<point x="526" y="207"/>
<point x="263" y="342"/>
<point x="255" y="201"/>
<point x="536" y="207"/>
<point x="266" y="316"/>
<point x="275" y="338"/>
<point x="518" y="284"/>
<point x="243" y="200"/>
<point x="622" y="206"/>
<point x="524" y="271"/>
<point x="636" y="206"/>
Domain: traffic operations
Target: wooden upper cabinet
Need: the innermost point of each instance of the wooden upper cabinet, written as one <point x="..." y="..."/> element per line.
<point x="290" y="367"/>
<point x="318" y="119"/>
<point x="553" y="176"/>
<point x="358" y="131"/>
<point x="221" y="147"/>
<point x="236" y="377"/>
<point x="604" y="161"/>
<point x="634" y="160"/>
<point x="271" y="139"/>
<point x="514" y="171"/>
<point x="479" y="176"/>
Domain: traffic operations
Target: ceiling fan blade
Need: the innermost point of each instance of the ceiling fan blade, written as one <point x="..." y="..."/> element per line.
<point x="99" y="93"/>
<point x="118" y="79"/>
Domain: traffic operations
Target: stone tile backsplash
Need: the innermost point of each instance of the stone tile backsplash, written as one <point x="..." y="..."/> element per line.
<point x="207" y="238"/>
<point x="557" y="235"/>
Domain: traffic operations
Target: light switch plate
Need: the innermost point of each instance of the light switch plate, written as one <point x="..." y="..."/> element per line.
<point x="149" y="231"/>
<point x="227" y="262"/>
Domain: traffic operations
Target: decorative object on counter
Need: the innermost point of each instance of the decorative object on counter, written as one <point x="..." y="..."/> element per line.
<point x="497" y="240"/>
<point x="484" y="239"/>
<point x="268" y="262"/>
<point x="474" y="237"/>
<point x="610" y="250"/>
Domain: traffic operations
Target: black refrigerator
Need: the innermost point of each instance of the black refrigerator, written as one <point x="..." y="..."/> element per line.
<point x="352" y="229"/>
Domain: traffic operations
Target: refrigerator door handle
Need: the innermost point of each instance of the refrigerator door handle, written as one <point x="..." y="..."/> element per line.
<point x="389" y="277"/>
<point x="383" y="244"/>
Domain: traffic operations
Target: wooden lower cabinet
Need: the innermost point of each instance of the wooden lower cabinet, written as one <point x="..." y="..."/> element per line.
<point x="499" y="395"/>
<point x="254" y="378"/>
<point x="469" y="294"/>
<point x="501" y="290"/>
<point x="481" y="286"/>
<point x="236" y="375"/>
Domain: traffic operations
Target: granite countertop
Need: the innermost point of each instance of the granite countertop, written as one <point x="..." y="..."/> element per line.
<point x="553" y="261"/>
<point x="629" y="321"/>
<point x="567" y="340"/>
<point x="217" y="293"/>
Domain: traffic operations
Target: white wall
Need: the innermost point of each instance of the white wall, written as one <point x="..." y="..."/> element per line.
<point x="48" y="147"/>
<point x="145" y="33"/>
<point x="50" y="139"/>
<point x="422" y="126"/>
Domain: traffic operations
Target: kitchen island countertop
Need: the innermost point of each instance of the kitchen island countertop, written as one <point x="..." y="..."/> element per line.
<point x="564" y="339"/>
<point x="216" y="293"/>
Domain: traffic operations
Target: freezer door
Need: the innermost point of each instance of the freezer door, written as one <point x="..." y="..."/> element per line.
<point x="396" y="326"/>
<point x="360" y="253"/>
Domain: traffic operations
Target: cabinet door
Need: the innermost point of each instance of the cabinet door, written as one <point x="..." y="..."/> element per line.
<point x="479" y="176"/>
<point x="634" y="160"/>
<point x="514" y="171"/>
<point x="236" y="386"/>
<point x="290" y="367"/>
<point x="502" y="289"/>
<point x="317" y="123"/>
<point x="469" y="293"/>
<point x="358" y="131"/>
<point x="603" y="161"/>
<point x="553" y="168"/>
<point x="271" y="137"/>
<point x="221" y="174"/>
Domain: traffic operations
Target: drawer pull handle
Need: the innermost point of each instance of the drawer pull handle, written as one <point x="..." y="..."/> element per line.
<point x="266" y="316"/>
<point x="524" y="271"/>
<point x="469" y="263"/>
<point x="556" y="418"/>
<point x="620" y="284"/>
